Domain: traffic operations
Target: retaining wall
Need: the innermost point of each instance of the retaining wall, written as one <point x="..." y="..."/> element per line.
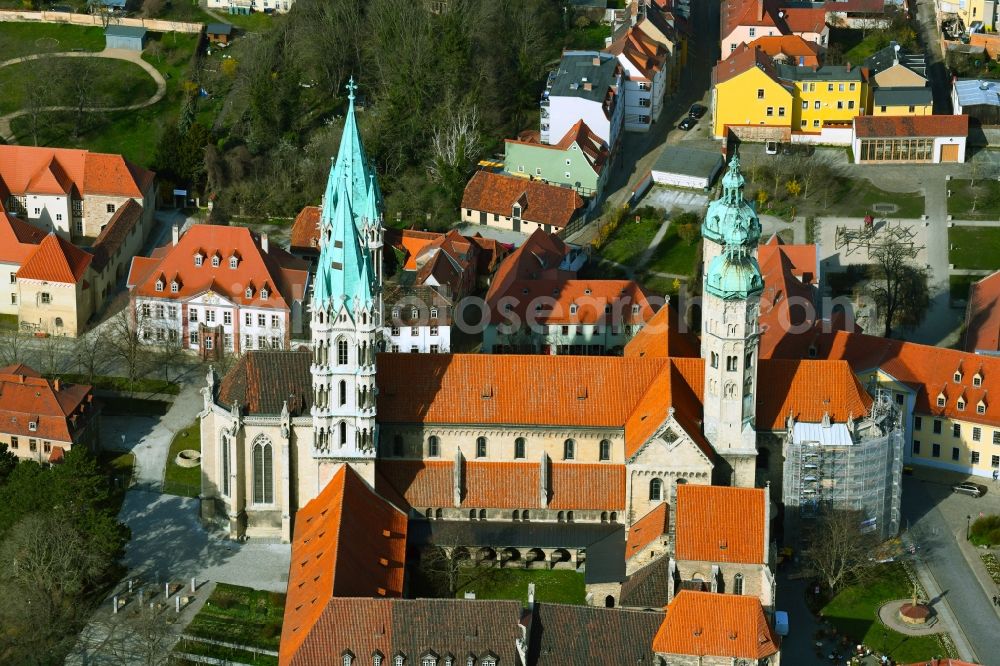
<point x="154" y="25"/>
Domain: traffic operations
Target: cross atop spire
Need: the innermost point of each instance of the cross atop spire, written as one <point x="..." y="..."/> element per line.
<point x="351" y="87"/>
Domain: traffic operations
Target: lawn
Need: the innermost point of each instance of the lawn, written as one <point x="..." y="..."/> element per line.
<point x="974" y="247"/>
<point x="8" y="321"/>
<point x="184" y="481"/>
<point x="21" y="39"/>
<point x="255" y="22"/>
<point x="631" y="239"/>
<point x="557" y="586"/>
<point x="674" y="255"/>
<point x="979" y="203"/>
<point x="115" y="83"/>
<point x="959" y="286"/>
<point x="855" y="46"/>
<point x="241" y="615"/>
<point x="854" y="613"/>
<point x="133" y="134"/>
<point x="861" y="195"/>
<point x="588" y="37"/>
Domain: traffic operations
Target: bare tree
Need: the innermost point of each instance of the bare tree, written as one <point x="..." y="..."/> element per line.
<point x="171" y="352"/>
<point x="52" y="354"/>
<point x="137" y="634"/>
<point x="13" y="344"/>
<point x="839" y="551"/>
<point x="455" y="144"/>
<point x="442" y="567"/>
<point x="91" y="355"/>
<point x="80" y="77"/>
<point x="125" y="337"/>
<point x="897" y="285"/>
<point x="37" y="96"/>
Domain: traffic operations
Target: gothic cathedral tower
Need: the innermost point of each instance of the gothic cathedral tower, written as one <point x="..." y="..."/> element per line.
<point x="730" y="329"/>
<point x="347" y="311"/>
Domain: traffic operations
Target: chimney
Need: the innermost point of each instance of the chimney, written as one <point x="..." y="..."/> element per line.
<point x="588" y="86"/>
<point x="596" y="61"/>
<point x="55" y="384"/>
<point x="263" y="243"/>
<point x="176" y="230"/>
<point x="848" y="66"/>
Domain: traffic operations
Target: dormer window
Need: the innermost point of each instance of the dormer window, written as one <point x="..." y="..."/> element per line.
<point x="216" y="260"/>
<point x="414" y="313"/>
<point x="977" y="380"/>
<point x="958" y="377"/>
<point x="249" y="292"/>
<point x="572" y="309"/>
<point x="233" y="262"/>
<point x="198" y="259"/>
<point x="635" y="309"/>
<point x="263" y="293"/>
<point x="941" y="400"/>
<point x="961" y="405"/>
<point x="517" y="210"/>
<point x="32" y="426"/>
<point x="981" y="407"/>
<point x="434" y="313"/>
<point x="174" y="287"/>
<point x="159" y="285"/>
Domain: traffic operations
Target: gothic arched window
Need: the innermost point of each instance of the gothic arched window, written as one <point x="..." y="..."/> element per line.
<point x="263" y="471"/>
<point x="343" y="433"/>
<point x="519" y="446"/>
<point x="569" y="449"/>
<point x="655" y="490"/>
<point x="341" y="351"/>
<point x="225" y="465"/>
<point x="738" y="584"/>
<point x="605" y="452"/>
<point x="433" y="446"/>
<point x="343" y="392"/>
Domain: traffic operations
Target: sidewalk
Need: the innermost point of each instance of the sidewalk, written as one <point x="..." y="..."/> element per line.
<point x="943" y="609"/>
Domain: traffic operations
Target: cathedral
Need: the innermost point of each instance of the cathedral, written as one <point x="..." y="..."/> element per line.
<point x="506" y="438"/>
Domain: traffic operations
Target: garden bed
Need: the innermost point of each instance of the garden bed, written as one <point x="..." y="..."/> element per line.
<point x="992" y="566"/>
<point x="242" y="615"/>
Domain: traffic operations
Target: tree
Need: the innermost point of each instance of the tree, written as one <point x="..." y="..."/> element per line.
<point x="793" y="187"/>
<point x="8" y="461"/>
<point x="90" y="353"/>
<point x="153" y="8"/>
<point x="52" y="354"/>
<point x="441" y="567"/>
<point x="898" y="287"/>
<point x="125" y="341"/>
<point x="80" y="76"/>
<point x="137" y="634"/>
<point x="37" y="97"/>
<point x="838" y="550"/>
<point x="455" y="147"/>
<point x="13" y="343"/>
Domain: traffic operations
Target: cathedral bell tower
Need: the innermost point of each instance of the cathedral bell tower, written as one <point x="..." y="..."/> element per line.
<point x="347" y="311"/>
<point x="730" y="329"/>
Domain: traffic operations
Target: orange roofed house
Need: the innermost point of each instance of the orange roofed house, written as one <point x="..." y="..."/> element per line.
<point x="508" y="202"/>
<point x="50" y="197"/>
<point x="41" y="419"/>
<point x="218" y="288"/>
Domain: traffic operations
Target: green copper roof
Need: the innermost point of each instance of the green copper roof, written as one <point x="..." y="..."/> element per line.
<point x="731" y="220"/>
<point x="344" y="272"/>
<point x="734" y="274"/>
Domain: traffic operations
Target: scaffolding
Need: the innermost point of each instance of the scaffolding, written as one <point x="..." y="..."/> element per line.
<point x="873" y="235"/>
<point x="861" y="470"/>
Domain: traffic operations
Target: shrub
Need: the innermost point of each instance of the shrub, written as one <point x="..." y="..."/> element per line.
<point x="986" y="530"/>
<point x="270" y="630"/>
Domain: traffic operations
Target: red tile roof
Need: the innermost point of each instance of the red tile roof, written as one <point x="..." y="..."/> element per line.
<point x="647" y="529"/>
<point x="591" y="145"/>
<point x="770" y="13"/>
<point x="552" y="301"/>
<point x="61" y="170"/>
<point x="305" y="230"/>
<point x="982" y="318"/>
<point x="284" y="276"/>
<point x="55" y="260"/>
<point x="788" y="301"/>
<point x="502" y="485"/>
<point x="661" y="337"/>
<point x="793" y="47"/>
<point x="588" y="391"/>
<point x="540" y="202"/>
<point x="348" y="542"/>
<point x="718" y="625"/>
<point x="678" y="387"/>
<point x="720" y="524"/>
<point x="741" y="60"/>
<point x="808" y="389"/>
<point x="18" y="239"/>
<point x="645" y="54"/>
<point x="538" y="258"/>
<point x="911" y="126"/>
<point x="59" y="410"/>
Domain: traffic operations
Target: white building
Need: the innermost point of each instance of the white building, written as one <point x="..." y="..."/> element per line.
<point x="645" y="65"/>
<point x="420" y="319"/>
<point x="249" y="6"/>
<point x="219" y="288"/>
<point x="587" y="86"/>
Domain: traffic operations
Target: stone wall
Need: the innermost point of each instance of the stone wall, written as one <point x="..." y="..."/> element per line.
<point x="155" y="25"/>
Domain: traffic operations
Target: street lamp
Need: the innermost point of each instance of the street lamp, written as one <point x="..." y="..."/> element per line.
<point x="968" y="527"/>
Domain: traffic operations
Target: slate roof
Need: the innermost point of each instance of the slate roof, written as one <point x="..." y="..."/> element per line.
<point x="218" y="29"/>
<point x="423" y="297"/>
<point x="719" y="625"/>
<point x="576" y="66"/>
<point x="55" y="260"/>
<point x="689" y="162"/>
<point x="824" y="73"/>
<point x="903" y="96"/>
<point x="648" y="587"/>
<point x="563" y="634"/>
<point x="911" y="126"/>
<point x="348" y="542"/>
<point x="124" y="31"/>
<point x="262" y="380"/>
<point x="496" y="193"/>
<point x="720" y="524"/>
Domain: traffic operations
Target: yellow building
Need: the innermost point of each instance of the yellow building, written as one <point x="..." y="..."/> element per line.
<point x="902" y="102"/>
<point x="751" y="89"/>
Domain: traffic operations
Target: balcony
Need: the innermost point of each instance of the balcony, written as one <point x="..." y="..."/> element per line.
<point x="544" y="102"/>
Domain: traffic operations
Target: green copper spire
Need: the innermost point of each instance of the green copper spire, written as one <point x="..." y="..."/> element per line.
<point x="731" y="219"/>
<point x="352" y="162"/>
<point x="734" y="274"/>
<point x="344" y="273"/>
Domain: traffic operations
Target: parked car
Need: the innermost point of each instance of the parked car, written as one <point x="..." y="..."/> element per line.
<point x="971" y="489"/>
<point x="687" y="123"/>
<point x="697" y="110"/>
<point x="771" y="147"/>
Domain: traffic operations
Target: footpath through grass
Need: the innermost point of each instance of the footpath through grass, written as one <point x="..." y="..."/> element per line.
<point x="21" y="39"/>
<point x="981" y="202"/>
<point x="183" y="481"/>
<point x="631" y="239"/>
<point x="854" y="612"/>
<point x="240" y="615"/>
<point x="557" y="586"/>
<point x="115" y="82"/>
<point x="974" y="247"/>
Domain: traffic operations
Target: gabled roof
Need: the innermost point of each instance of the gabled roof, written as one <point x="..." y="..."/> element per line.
<point x="58" y="410"/>
<point x="538" y="258"/>
<point x="720" y="524"/>
<point x="977" y="92"/>
<point x="348" y="542"/>
<point x="18" y="239"/>
<point x="647" y="529"/>
<point x="789" y="295"/>
<point x="29" y="169"/>
<point x="55" y="260"/>
<point x="540" y="202"/>
<point x="661" y="337"/>
<point x="792" y="47"/>
<point x="642" y="51"/>
<point x="982" y="319"/>
<point x="648" y="587"/>
<point x="305" y="230"/>
<point x="285" y="276"/>
<point x="114" y="234"/>
<point x="263" y="380"/>
<point x="554" y="302"/>
<point x="810" y="388"/>
<point x="771" y="13"/>
<point x="593" y="148"/>
<point x="743" y="59"/>
<point x="911" y="126"/>
<point x="718" y="625"/>
<point x="563" y="634"/>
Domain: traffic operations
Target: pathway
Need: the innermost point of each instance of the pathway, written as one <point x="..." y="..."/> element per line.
<point x="203" y="5"/>
<point x="115" y="54"/>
